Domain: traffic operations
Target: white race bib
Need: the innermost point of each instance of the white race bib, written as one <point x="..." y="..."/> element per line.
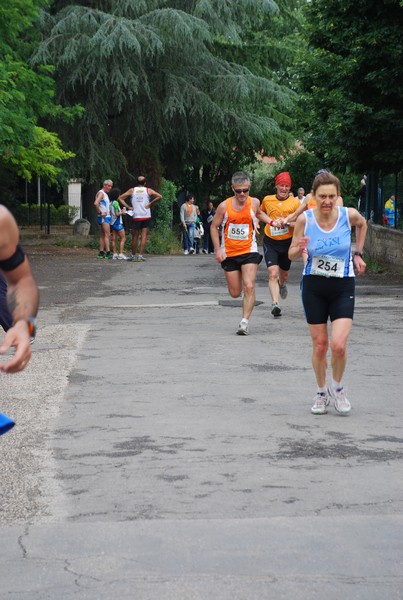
<point x="238" y="232"/>
<point x="274" y="231"/>
<point x="328" y="266"/>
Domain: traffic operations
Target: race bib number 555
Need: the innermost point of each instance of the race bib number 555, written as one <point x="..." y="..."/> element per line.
<point x="327" y="266"/>
<point x="238" y="232"/>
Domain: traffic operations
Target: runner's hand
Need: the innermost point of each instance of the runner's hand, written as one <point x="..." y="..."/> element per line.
<point x="17" y="336"/>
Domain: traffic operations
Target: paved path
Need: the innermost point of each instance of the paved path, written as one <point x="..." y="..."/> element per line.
<point x="159" y="456"/>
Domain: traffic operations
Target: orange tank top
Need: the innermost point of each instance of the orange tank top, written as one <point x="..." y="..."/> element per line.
<point x="239" y="235"/>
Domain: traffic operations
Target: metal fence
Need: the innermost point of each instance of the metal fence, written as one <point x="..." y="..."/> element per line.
<point x="384" y="199"/>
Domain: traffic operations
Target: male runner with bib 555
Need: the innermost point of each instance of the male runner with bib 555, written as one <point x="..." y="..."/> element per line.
<point x="239" y="218"/>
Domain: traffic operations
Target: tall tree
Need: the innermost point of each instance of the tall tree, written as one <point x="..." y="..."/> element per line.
<point x="152" y="79"/>
<point x="350" y="80"/>
<point x="26" y="97"/>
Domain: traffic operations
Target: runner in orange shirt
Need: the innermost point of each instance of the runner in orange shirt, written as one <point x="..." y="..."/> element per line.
<point x="238" y="254"/>
<point x="277" y="239"/>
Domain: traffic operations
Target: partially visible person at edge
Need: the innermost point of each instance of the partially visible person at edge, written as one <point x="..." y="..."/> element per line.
<point x="277" y="238"/>
<point x="239" y="216"/>
<point x="102" y="205"/>
<point x="390" y="211"/>
<point x="188" y="216"/>
<point x="198" y="234"/>
<point x="142" y="198"/>
<point x="207" y="217"/>
<point x="117" y="227"/>
<point x="6" y="319"/>
<point x="22" y="296"/>
<point x="328" y="284"/>
<point x="307" y="203"/>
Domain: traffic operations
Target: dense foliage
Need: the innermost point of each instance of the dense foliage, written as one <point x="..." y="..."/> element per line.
<point x="26" y="97"/>
<point x="350" y="78"/>
<point x="153" y="79"/>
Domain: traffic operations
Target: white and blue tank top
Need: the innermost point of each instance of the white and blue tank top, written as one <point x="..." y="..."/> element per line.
<point x="329" y="252"/>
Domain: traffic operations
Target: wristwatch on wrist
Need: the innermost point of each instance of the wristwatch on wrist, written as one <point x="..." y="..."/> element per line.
<point x="360" y="254"/>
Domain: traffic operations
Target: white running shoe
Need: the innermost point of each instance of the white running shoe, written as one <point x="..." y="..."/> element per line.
<point x="115" y="256"/>
<point x="141" y="258"/>
<point x="186" y="252"/>
<point x="205" y="251"/>
<point x="122" y="257"/>
<point x="341" y="404"/>
<point x="191" y="251"/>
<point x="242" y="328"/>
<point x="275" y="310"/>
<point x="321" y="403"/>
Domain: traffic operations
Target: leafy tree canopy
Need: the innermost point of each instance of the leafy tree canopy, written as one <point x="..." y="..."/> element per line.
<point x="26" y="96"/>
<point x="350" y="79"/>
<point x="154" y="74"/>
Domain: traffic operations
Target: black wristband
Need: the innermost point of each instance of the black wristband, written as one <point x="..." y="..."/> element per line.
<point x="358" y="254"/>
<point x="13" y="261"/>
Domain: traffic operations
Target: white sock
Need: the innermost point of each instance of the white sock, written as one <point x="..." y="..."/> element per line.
<point x="322" y="390"/>
<point x="243" y="320"/>
<point x="336" y="385"/>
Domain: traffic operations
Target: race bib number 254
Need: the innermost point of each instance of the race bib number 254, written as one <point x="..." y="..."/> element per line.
<point x="327" y="266"/>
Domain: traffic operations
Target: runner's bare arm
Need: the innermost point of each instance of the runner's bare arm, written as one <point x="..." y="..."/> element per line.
<point x="299" y="241"/>
<point x="215" y="224"/>
<point x="22" y="296"/>
<point x="360" y="224"/>
<point x="156" y="197"/>
<point x="262" y="216"/>
<point x="121" y="198"/>
<point x="97" y="200"/>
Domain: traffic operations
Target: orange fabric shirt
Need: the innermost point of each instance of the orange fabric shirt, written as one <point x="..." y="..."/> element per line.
<point x="312" y="202"/>
<point x="239" y="235"/>
<point x="274" y="208"/>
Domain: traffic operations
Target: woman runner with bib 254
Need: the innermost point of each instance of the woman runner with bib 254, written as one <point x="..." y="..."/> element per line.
<point x="328" y="284"/>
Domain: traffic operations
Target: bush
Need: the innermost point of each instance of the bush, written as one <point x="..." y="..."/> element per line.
<point x="163" y="239"/>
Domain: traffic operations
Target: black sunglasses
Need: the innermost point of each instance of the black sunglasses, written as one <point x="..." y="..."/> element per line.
<point x="242" y="191"/>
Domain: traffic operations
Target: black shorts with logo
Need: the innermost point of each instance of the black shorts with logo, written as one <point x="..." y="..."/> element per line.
<point x="276" y="252"/>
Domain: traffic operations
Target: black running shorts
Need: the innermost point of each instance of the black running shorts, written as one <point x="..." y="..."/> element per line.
<point x="276" y="252"/>
<point x="141" y="223"/>
<point x="234" y="263"/>
<point x="327" y="297"/>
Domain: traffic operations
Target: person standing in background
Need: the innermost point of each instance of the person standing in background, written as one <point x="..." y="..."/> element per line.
<point x="301" y="194"/>
<point x="117" y="227"/>
<point x="207" y="218"/>
<point x="102" y="205"/>
<point x="142" y="199"/>
<point x="188" y="216"/>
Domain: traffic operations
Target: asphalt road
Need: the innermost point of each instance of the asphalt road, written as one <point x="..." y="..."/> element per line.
<point x="158" y="455"/>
